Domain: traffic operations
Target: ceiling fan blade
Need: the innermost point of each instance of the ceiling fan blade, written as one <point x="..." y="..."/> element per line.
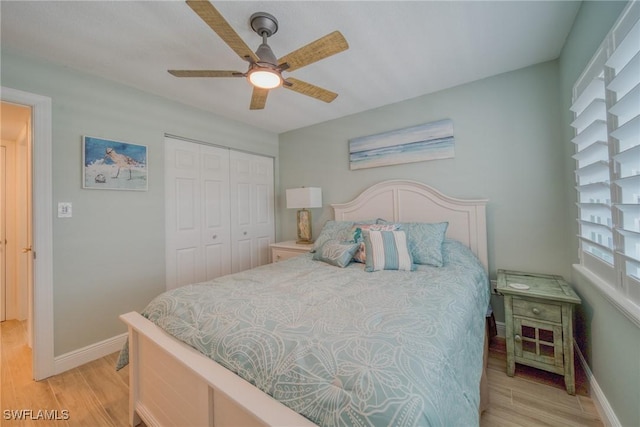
<point x="309" y="90"/>
<point x="216" y="21"/>
<point x="322" y="48"/>
<point x="258" y="98"/>
<point x="205" y="73"/>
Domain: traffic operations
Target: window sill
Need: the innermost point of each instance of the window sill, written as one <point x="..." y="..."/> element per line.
<point x="626" y="307"/>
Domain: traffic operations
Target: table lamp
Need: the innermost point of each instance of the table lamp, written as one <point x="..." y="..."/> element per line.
<point x="303" y="199"/>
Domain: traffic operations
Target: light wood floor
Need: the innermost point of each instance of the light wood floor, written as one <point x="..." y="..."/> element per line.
<point x="534" y="397"/>
<point x="96" y="395"/>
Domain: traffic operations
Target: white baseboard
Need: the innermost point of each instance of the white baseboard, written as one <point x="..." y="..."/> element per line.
<point x="605" y="411"/>
<point x="88" y="354"/>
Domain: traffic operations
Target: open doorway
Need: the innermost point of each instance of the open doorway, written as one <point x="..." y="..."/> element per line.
<point x="16" y="279"/>
<point x="40" y="303"/>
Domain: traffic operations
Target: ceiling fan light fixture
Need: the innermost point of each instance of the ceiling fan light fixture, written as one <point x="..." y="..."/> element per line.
<point x="265" y="69"/>
<point x="264" y="78"/>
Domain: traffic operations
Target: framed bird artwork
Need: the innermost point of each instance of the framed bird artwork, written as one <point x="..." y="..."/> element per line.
<point x="113" y="165"/>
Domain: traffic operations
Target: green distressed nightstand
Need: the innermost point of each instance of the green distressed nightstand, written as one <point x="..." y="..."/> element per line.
<point x="538" y="312"/>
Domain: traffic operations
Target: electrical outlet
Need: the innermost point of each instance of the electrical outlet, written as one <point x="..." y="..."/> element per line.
<point x="64" y="210"/>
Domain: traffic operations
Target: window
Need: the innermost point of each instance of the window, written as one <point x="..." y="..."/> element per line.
<point x="606" y="108"/>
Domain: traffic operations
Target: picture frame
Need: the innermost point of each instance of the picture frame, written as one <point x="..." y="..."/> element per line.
<point x="113" y="165"/>
<point x="429" y="141"/>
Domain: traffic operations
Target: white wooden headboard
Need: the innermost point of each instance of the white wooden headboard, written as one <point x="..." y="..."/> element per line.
<point x="411" y="201"/>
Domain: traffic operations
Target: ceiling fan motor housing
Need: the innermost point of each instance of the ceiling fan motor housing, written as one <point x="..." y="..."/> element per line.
<point x="264" y="23"/>
<point x="266" y="55"/>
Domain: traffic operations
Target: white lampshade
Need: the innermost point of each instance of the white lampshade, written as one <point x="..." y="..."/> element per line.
<point x="305" y="197"/>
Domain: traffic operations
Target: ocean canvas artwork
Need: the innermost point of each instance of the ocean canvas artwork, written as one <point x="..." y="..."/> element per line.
<point x="113" y="165"/>
<point x="429" y="141"/>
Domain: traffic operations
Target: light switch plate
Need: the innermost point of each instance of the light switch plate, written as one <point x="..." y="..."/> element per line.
<point x="64" y="210"/>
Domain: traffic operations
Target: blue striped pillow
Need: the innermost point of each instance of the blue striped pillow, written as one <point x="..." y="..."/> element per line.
<point x="387" y="250"/>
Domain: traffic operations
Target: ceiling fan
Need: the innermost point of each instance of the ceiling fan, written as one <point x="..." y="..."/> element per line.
<point x="265" y="71"/>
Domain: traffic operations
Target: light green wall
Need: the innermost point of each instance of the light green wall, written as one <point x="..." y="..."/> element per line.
<point x="507" y="137"/>
<point x="109" y="258"/>
<point x="609" y="341"/>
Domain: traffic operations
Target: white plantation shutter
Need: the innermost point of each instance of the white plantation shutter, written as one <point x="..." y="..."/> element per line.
<point x="592" y="174"/>
<point x="606" y="107"/>
<point x="623" y="69"/>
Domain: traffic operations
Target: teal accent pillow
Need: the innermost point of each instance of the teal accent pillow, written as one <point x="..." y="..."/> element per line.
<point x="425" y="241"/>
<point x="336" y="252"/>
<point x="359" y="229"/>
<point x="387" y="250"/>
<point x="333" y="230"/>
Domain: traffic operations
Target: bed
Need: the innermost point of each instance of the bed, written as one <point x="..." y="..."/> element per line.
<point x="382" y="348"/>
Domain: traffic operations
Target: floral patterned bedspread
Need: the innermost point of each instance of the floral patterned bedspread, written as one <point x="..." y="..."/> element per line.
<point x="341" y="346"/>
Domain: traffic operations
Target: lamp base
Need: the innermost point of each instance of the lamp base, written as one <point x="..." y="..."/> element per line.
<point x="304" y="227"/>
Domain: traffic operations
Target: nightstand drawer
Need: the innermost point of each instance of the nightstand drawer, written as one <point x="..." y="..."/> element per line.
<point x="285" y="250"/>
<point x="282" y="254"/>
<point x="537" y="310"/>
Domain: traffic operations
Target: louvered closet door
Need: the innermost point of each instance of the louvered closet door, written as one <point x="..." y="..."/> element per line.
<point x="197" y="212"/>
<point x="252" y="210"/>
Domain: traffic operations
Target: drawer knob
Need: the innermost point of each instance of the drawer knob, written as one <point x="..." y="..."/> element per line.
<point x="215" y="236"/>
<point x="518" y="338"/>
<point x="536" y="310"/>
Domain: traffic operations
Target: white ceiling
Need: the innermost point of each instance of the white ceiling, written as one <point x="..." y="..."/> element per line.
<point x="398" y="50"/>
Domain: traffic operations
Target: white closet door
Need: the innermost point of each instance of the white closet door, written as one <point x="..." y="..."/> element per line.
<point x="216" y="231"/>
<point x="197" y="212"/>
<point x="252" y="210"/>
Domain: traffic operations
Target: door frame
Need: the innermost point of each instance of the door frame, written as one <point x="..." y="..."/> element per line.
<point x="41" y="307"/>
<point x="3" y="256"/>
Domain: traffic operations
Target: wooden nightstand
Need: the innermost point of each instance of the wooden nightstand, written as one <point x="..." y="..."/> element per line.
<point x="538" y="312"/>
<point x="285" y="250"/>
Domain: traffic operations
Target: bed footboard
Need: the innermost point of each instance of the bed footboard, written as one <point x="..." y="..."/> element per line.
<point x="172" y="384"/>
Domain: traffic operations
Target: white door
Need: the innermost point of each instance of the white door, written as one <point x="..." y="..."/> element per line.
<point x="252" y="210"/>
<point x="216" y="233"/>
<point x="24" y="221"/>
<point x="197" y="212"/>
